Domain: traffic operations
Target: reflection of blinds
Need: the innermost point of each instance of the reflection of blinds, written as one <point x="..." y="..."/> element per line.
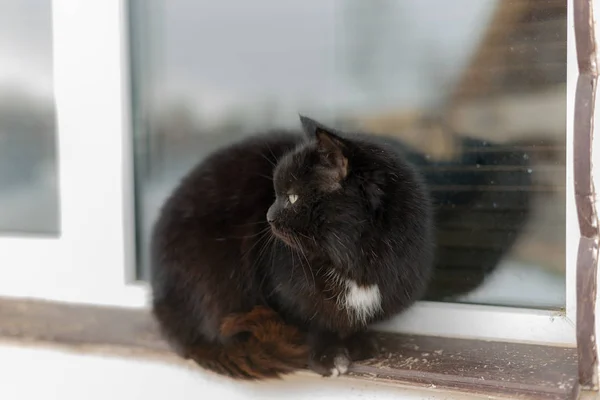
<point x="506" y="187"/>
<point x="523" y="49"/>
<point x="469" y="197"/>
<point x="483" y="203"/>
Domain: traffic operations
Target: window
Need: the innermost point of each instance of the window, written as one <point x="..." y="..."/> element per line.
<point x="480" y="98"/>
<point x="487" y="100"/>
<point x="28" y="165"/>
<point x="86" y="261"/>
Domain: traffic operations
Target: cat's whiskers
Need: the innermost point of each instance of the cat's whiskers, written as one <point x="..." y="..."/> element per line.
<point x="273" y="163"/>
<point x="270" y="178"/>
<point x="253" y="223"/>
<point x="292" y="274"/>
<point x="292" y="252"/>
<point x="261" y="232"/>
<point x="265" y="234"/>
<point x="308" y="237"/>
<point x="271" y="151"/>
<point x="298" y="249"/>
<point x="295" y="252"/>
<point x="308" y="264"/>
<point x="267" y="245"/>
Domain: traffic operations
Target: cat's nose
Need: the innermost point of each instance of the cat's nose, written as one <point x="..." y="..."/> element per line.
<point x="270" y="215"/>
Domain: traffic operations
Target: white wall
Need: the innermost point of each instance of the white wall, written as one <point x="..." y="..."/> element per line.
<point x="38" y="373"/>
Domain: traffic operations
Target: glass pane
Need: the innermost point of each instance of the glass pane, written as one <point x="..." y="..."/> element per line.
<point x="28" y="164"/>
<point x="477" y="88"/>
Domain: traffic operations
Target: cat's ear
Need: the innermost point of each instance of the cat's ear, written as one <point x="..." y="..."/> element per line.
<point x="332" y="150"/>
<point x="309" y="126"/>
<point x="330" y="146"/>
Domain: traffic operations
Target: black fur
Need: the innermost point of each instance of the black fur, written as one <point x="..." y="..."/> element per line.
<point x="361" y="213"/>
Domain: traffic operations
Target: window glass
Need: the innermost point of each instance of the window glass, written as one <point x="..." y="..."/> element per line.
<point x="28" y="151"/>
<point x="476" y="87"/>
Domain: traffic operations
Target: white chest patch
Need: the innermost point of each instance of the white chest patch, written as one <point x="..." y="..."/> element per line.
<point x="361" y="302"/>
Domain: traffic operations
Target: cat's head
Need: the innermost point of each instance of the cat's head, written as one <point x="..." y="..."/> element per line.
<point x="320" y="201"/>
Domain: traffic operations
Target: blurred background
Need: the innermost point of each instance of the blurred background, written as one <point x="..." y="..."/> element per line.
<point x="476" y="89"/>
<point x="29" y="201"/>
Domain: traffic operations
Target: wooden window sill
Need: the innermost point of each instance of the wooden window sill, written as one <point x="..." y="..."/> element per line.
<point x="495" y="369"/>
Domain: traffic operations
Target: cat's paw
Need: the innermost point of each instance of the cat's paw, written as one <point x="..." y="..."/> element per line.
<point x="341" y="362"/>
<point x="331" y="362"/>
<point x="362" y="346"/>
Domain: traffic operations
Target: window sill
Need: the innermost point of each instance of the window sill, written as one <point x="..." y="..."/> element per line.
<point x="468" y="366"/>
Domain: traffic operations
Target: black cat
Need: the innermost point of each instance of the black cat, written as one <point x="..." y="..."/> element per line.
<point x="279" y="251"/>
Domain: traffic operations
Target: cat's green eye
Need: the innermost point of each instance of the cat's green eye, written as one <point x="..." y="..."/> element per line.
<point x="292" y="198"/>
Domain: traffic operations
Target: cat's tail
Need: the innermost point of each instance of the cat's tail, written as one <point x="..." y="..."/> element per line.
<point x="257" y="345"/>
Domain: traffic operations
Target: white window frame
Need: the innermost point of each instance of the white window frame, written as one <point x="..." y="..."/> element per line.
<point x="89" y="260"/>
<point x="93" y="259"/>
